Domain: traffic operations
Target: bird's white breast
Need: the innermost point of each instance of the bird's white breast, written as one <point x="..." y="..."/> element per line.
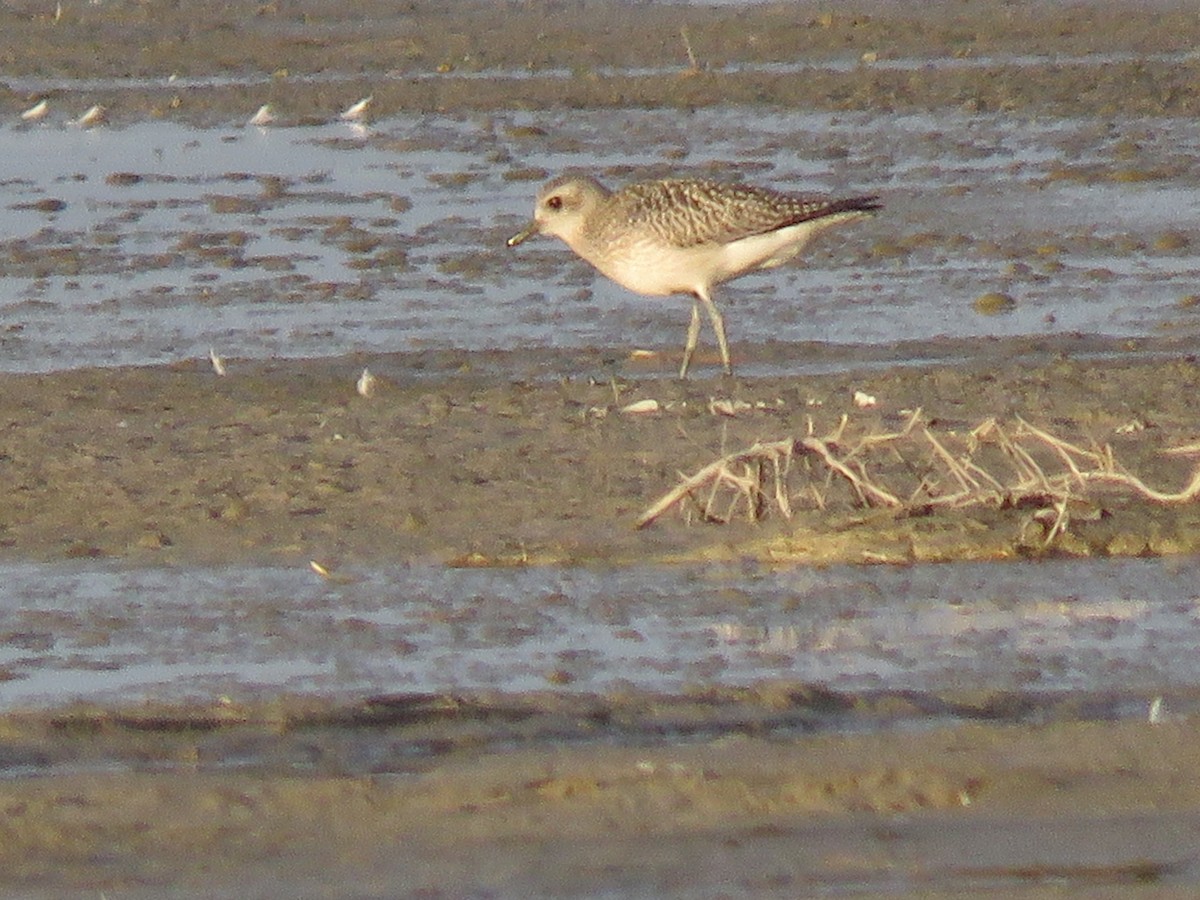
<point x="648" y="267"/>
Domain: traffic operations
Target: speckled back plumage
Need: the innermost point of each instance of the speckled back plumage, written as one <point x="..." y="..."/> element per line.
<point x="691" y="212"/>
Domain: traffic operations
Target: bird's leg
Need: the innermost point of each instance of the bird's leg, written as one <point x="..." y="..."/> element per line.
<point x="693" y="335"/>
<point x="718" y="325"/>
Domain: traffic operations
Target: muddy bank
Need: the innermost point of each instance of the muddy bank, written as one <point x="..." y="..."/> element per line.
<point x="1028" y="812"/>
<point x="130" y="39"/>
<point x="309" y="59"/>
<point x="485" y="459"/>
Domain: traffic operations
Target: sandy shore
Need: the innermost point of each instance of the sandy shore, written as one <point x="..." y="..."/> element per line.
<point x="433" y="53"/>
<point x="1088" y="809"/>
<point x="500" y="460"/>
<point x="283" y="462"/>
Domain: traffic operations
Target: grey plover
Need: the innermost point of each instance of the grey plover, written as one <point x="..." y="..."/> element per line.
<point x="685" y="235"/>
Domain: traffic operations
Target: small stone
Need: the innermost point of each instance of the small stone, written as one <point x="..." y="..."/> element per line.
<point x="1170" y="241"/>
<point x="993" y="303"/>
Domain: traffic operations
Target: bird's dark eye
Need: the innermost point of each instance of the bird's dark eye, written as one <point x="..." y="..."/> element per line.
<point x="555" y="202"/>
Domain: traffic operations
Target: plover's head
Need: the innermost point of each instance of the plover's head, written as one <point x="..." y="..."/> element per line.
<point x="562" y="207"/>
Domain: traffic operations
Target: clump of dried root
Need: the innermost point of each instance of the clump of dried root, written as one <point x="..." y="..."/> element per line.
<point x="911" y="470"/>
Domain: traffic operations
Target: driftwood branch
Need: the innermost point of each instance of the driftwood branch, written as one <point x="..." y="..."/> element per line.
<point x="1020" y="465"/>
<point x="721" y="474"/>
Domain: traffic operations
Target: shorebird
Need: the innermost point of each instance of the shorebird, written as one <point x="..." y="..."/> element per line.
<point x="685" y="235"/>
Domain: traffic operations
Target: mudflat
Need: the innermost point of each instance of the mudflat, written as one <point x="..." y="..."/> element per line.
<point x="515" y="459"/>
<point x="524" y="48"/>
<point x="1083" y="809"/>
<point x="284" y="462"/>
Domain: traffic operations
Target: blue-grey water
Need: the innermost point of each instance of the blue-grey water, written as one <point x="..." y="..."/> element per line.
<point x="116" y="634"/>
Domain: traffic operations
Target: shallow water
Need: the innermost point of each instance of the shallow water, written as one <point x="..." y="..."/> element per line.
<point x="154" y="242"/>
<point x="1125" y="628"/>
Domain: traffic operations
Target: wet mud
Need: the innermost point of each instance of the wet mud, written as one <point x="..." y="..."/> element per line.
<point x="523" y="457"/>
<point x="576" y="55"/>
<point x="454" y="460"/>
<point x="337" y="802"/>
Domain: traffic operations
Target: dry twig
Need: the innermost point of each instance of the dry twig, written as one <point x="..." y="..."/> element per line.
<point x="989" y="464"/>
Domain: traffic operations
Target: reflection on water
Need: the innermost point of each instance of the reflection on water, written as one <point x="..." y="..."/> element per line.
<point x="100" y="632"/>
<point x="154" y="242"/>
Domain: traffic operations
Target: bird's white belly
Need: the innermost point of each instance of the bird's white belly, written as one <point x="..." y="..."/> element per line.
<point x="660" y="271"/>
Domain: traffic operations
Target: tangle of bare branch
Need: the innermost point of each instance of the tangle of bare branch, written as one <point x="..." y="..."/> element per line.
<point x="909" y="470"/>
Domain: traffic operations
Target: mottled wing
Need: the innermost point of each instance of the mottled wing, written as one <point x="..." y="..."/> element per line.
<point x="687" y="213"/>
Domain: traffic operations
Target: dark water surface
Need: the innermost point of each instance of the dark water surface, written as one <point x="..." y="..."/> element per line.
<point x="105" y="633"/>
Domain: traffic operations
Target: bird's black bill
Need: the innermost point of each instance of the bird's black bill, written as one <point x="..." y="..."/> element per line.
<point x="523" y="235"/>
